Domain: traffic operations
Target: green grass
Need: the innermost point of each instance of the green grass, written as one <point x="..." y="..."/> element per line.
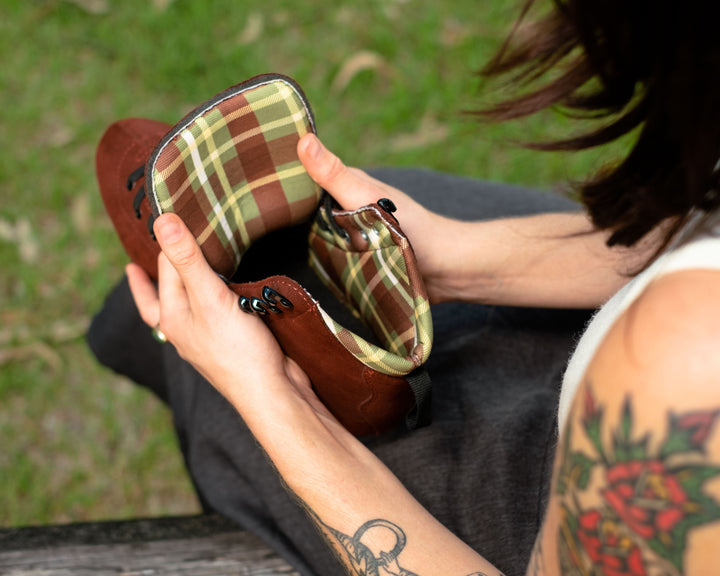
<point x="387" y="80"/>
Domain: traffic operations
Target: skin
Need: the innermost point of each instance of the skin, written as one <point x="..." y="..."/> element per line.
<point x="540" y="261"/>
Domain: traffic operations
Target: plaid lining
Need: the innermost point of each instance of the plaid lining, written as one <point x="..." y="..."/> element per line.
<point x="230" y="170"/>
<point x="374" y="272"/>
<point x="232" y="173"/>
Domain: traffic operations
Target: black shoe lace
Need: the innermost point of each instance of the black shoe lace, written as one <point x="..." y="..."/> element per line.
<point x="136" y="175"/>
<point x="139" y="197"/>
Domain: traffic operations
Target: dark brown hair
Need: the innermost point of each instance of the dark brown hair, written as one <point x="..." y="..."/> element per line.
<point x="650" y="66"/>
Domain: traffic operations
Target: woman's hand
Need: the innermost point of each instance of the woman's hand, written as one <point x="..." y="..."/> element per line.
<point x="545" y="260"/>
<point x="199" y="315"/>
<point x="353" y="188"/>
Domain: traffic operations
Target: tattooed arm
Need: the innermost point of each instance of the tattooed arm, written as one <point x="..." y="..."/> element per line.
<point x="371" y="522"/>
<point x="376" y="548"/>
<point x="637" y="479"/>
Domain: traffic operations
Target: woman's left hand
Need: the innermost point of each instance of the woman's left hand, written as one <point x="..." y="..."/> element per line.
<point x="200" y="316"/>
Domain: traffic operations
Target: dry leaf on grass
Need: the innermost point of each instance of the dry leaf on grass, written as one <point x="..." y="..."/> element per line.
<point x="29" y="351"/>
<point x="81" y="213"/>
<point x="27" y="243"/>
<point x="59" y="332"/>
<point x="253" y="29"/>
<point x="7" y="231"/>
<point x="41" y="344"/>
<point x="395" y="9"/>
<point x="96" y="7"/>
<point x="356" y="63"/>
<point x="64" y="331"/>
<point x="21" y="234"/>
<point x="454" y="32"/>
<point x="59" y="135"/>
<point x="162" y="5"/>
<point x="429" y="132"/>
<point x="346" y="16"/>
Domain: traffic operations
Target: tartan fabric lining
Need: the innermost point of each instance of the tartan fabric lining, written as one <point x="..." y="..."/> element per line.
<point x="375" y="274"/>
<point x="233" y="169"/>
<point x="230" y="170"/>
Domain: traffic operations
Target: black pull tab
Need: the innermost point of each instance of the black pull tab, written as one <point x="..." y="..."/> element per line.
<point x="421" y="386"/>
<point x="388" y="206"/>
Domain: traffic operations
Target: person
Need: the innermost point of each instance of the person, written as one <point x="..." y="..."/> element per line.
<point x="623" y="478"/>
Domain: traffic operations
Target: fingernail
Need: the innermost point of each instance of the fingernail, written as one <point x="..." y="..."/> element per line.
<point x="167" y="230"/>
<point x="315" y="148"/>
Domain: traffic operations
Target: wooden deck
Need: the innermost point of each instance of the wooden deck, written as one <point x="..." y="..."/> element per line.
<point x="196" y="545"/>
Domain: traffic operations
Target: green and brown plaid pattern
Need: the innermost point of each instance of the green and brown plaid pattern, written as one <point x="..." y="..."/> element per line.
<point x="375" y="273"/>
<point x="231" y="171"/>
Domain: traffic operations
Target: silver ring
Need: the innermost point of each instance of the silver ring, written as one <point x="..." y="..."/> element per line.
<point x="158" y="334"/>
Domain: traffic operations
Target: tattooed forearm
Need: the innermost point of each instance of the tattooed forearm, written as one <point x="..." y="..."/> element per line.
<point x="373" y="550"/>
<point x="630" y="504"/>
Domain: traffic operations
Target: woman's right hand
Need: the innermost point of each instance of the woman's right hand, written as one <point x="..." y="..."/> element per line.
<point x="353" y="188"/>
<point x="545" y="260"/>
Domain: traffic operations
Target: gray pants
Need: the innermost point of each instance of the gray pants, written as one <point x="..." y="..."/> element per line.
<point x="483" y="466"/>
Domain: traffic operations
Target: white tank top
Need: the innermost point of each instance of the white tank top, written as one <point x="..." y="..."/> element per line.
<point x="696" y="247"/>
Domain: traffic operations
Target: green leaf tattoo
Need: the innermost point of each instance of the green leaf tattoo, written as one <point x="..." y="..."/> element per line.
<point x="624" y="448"/>
<point x="688" y="432"/>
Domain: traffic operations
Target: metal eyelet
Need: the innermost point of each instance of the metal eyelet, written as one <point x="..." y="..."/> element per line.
<point x="244" y="303"/>
<point x="269" y="303"/>
<point x="273" y="297"/>
<point x="271" y="307"/>
<point x="258" y="306"/>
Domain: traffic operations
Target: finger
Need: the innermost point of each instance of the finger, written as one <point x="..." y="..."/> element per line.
<point x="144" y="293"/>
<point x="174" y="302"/>
<point x="350" y="187"/>
<point x="194" y="274"/>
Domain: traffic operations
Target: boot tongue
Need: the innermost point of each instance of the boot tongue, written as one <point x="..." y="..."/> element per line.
<point x="230" y="168"/>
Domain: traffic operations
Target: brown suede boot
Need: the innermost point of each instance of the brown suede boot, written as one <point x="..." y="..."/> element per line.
<point x="230" y="170"/>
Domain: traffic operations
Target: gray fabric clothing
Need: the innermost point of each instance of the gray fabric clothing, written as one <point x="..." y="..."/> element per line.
<point x="482" y="467"/>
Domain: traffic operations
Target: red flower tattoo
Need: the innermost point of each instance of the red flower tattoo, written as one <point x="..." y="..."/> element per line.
<point x="610" y="552"/>
<point x="647" y="497"/>
<point x="654" y="492"/>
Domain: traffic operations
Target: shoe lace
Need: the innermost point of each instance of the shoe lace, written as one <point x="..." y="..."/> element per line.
<point x="135" y="175"/>
<point x="133" y="179"/>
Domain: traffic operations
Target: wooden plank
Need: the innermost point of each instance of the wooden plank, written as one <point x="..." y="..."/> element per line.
<point x="131" y="549"/>
<point x="115" y="531"/>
